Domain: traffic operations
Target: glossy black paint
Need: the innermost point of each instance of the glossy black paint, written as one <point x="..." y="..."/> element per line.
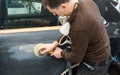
<point x="17" y="57"/>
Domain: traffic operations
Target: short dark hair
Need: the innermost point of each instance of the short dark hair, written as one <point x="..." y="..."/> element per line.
<point x="53" y="3"/>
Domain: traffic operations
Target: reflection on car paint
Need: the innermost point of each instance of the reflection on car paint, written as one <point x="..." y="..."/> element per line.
<point x="22" y="52"/>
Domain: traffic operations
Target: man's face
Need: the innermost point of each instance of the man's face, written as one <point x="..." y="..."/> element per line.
<point x="60" y="11"/>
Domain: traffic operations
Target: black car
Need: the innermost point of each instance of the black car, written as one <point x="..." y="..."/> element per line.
<point x="16" y="49"/>
<point x="24" y="13"/>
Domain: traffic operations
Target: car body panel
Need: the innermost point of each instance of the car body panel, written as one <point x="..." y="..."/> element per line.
<point x="17" y="56"/>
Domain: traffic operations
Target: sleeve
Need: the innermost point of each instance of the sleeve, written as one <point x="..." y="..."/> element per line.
<point x="79" y="47"/>
<point x="59" y="38"/>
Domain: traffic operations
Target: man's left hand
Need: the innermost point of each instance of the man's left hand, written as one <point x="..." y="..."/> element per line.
<point x="57" y="52"/>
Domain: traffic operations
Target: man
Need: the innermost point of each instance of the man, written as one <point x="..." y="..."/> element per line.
<point x="90" y="44"/>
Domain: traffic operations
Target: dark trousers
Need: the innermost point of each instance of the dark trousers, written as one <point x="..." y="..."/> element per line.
<point x="88" y="68"/>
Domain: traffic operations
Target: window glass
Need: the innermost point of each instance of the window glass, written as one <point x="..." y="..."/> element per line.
<point x="24" y="7"/>
<point x="27" y="13"/>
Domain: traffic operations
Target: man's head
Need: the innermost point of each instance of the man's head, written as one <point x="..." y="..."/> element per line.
<point x="54" y="3"/>
<point x="59" y="7"/>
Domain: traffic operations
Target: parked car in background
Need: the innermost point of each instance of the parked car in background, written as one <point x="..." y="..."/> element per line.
<point x="110" y="11"/>
<point x="24" y="13"/>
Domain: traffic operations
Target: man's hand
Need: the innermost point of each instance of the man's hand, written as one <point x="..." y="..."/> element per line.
<point x="46" y="47"/>
<point x="57" y="52"/>
<point x="49" y="47"/>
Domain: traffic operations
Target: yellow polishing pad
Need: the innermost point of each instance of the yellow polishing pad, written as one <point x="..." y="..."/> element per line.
<point x="37" y="52"/>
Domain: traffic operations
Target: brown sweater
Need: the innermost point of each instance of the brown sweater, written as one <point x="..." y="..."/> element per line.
<point x="88" y="34"/>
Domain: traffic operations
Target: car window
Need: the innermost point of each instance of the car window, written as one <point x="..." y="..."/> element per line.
<point x="26" y="13"/>
<point x="23" y="7"/>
